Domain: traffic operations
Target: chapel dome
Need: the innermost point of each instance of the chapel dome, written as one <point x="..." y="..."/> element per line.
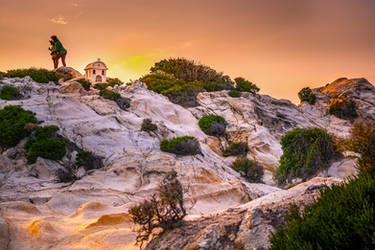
<point x="96" y="65"/>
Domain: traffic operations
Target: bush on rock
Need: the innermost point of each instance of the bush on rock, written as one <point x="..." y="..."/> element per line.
<point x="9" y="93"/>
<point x="307" y="95"/>
<point x="85" y="84"/>
<point x="181" y="80"/>
<point x="236" y="148"/>
<point x="251" y="170"/>
<point x="148" y="126"/>
<point x="164" y="212"/>
<point x="362" y="141"/>
<point x="13" y="122"/>
<point x="305" y="152"/>
<point x="45" y="144"/>
<point x="244" y="85"/>
<point x="185" y="145"/>
<point x="114" y="81"/>
<point x="38" y="75"/>
<point x="234" y="93"/>
<point x="87" y="160"/>
<point x="341" y="218"/>
<point x="343" y="108"/>
<point x="213" y="125"/>
<point x="122" y="102"/>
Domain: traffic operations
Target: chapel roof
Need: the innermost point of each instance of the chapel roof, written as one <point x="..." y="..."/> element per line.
<point x="96" y="65"/>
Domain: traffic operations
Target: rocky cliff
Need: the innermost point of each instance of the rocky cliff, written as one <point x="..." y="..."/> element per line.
<point x="37" y="212"/>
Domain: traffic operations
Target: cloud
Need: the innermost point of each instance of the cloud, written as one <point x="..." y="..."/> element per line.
<point x="75" y="4"/>
<point x="58" y="20"/>
<point x="187" y="44"/>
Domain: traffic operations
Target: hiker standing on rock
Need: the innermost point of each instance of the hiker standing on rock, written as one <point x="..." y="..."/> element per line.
<point x="57" y="52"/>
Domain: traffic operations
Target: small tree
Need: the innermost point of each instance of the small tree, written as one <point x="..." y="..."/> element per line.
<point x="343" y="108"/>
<point x="164" y="212"/>
<point x="148" y="126"/>
<point x="236" y="148"/>
<point x="244" y="85"/>
<point x="251" y="170"/>
<point x="214" y="125"/>
<point x="307" y="95"/>
<point x="362" y="141"/>
<point x="305" y="152"/>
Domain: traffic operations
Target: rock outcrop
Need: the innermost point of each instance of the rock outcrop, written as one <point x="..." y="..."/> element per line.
<point x="37" y="212"/>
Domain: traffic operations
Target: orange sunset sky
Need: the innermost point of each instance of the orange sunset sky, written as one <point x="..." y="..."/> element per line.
<point x="280" y="45"/>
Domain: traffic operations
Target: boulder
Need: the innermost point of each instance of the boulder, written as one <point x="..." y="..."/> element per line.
<point x="72" y="87"/>
<point x="69" y="70"/>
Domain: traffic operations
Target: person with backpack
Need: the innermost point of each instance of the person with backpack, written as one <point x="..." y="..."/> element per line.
<point x="57" y="52"/>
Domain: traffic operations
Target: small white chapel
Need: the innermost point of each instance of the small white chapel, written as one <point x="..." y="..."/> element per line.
<point x="96" y="72"/>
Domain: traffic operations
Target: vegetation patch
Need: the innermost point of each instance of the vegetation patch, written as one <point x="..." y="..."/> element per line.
<point x="148" y="126"/>
<point x="184" y="145"/>
<point x="306" y="95"/>
<point x="87" y="160"/>
<point x="101" y="85"/>
<point x="305" y="152"/>
<point x="13" y="123"/>
<point x="122" y="102"/>
<point x="343" y="108"/>
<point x="44" y="143"/>
<point x="234" y="93"/>
<point x="164" y="211"/>
<point x="341" y="218"/>
<point x="85" y="84"/>
<point x="109" y="94"/>
<point x="362" y="141"/>
<point x="236" y="148"/>
<point x="244" y="85"/>
<point x="213" y="125"/>
<point x="251" y="170"/>
<point x="114" y="81"/>
<point x="181" y="80"/>
<point x="111" y="82"/>
<point x="38" y="75"/>
<point x="9" y="93"/>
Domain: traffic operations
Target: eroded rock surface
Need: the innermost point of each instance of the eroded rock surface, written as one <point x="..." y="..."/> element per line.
<point x="37" y="212"/>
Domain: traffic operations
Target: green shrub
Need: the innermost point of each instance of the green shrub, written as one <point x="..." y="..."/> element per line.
<point x="87" y="160"/>
<point x="38" y="75"/>
<point x="234" y="93"/>
<point x="45" y="144"/>
<point x="185" y="145"/>
<point x="239" y="148"/>
<point x="163" y="212"/>
<point x="189" y="71"/>
<point x="2" y="74"/>
<point x="341" y="218"/>
<point x="114" y="81"/>
<point x="13" y="120"/>
<point x="177" y="91"/>
<point x="82" y="158"/>
<point x="101" y="85"/>
<point x="307" y="95"/>
<point x="213" y="125"/>
<point x="305" y="152"/>
<point x="181" y="80"/>
<point x="85" y="84"/>
<point x="244" y="85"/>
<point x="9" y="93"/>
<point x="362" y="141"/>
<point x="109" y="94"/>
<point x="148" y="126"/>
<point x="251" y="170"/>
<point x="343" y="109"/>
